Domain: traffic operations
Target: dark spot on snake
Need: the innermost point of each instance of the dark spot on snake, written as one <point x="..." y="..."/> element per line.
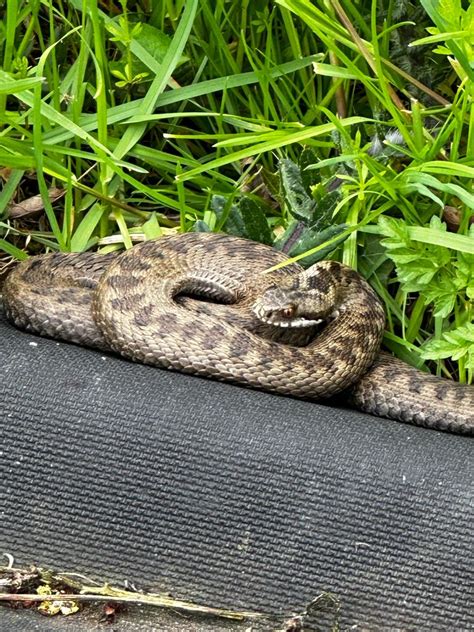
<point x="414" y="387"/>
<point x="440" y="392"/>
<point x="266" y="362"/>
<point x="217" y="331"/>
<point x="35" y="263"/>
<point x="239" y="347"/>
<point x="359" y="328"/>
<point x="350" y="275"/>
<point x="215" y="244"/>
<point x="127" y="302"/>
<point x="72" y="294"/>
<point x="213" y="337"/>
<point x="141" y="265"/>
<point x="118" y="303"/>
<point x="143" y="316"/>
<point x="146" y="246"/>
<point x="331" y="269"/>
<point x="320" y="359"/>
<point x="167" y="322"/>
<point x="208" y="342"/>
<point x="183" y="248"/>
<point x="319" y="282"/>
<point x="122" y="282"/>
<point x="351" y="357"/>
<point x="341" y="353"/>
<point x="87" y="282"/>
<point x="83" y="299"/>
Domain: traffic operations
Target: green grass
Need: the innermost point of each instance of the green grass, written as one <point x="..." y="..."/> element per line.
<point x="334" y="128"/>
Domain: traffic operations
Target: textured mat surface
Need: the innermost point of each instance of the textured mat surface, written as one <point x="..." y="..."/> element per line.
<point x="227" y="496"/>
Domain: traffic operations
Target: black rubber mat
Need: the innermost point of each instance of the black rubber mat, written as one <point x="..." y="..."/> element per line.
<point x="229" y="497"/>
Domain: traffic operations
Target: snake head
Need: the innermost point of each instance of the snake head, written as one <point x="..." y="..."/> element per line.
<point x="284" y="307"/>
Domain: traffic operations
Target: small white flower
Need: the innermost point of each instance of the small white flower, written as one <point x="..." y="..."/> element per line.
<point x="394" y="137"/>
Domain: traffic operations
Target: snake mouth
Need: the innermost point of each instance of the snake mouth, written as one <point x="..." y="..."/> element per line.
<point x="294" y="322"/>
<point x="274" y="319"/>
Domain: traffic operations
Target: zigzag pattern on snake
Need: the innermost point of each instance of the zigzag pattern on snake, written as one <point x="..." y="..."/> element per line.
<point x="201" y="304"/>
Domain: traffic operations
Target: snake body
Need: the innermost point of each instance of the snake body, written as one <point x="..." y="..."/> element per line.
<point x="201" y="304"/>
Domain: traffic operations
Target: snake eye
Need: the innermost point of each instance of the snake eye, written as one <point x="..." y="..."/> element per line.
<point x="288" y="311"/>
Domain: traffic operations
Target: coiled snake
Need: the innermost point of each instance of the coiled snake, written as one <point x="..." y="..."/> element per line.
<point x="200" y="303"/>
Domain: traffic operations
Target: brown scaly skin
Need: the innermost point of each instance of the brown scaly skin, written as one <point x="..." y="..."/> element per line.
<point x="398" y="391"/>
<point x="132" y="303"/>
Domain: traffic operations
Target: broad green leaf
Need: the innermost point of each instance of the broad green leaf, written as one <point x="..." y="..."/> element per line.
<point x="156" y="45"/>
<point x="151" y="227"/>
<point x="255" y="221"/>
<point x="201" y="226"/>
<point x="245" y="219"/>
<point x="300" y="205"/>
<point x="455" y="344"/>
<point x="228" y="213"/>
<point x="298" y="239"/>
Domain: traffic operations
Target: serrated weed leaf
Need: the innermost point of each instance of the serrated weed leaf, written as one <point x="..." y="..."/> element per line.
<point x="300" y="205"/>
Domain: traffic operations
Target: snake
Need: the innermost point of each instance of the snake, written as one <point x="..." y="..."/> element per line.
<point x="231" y="309"/>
